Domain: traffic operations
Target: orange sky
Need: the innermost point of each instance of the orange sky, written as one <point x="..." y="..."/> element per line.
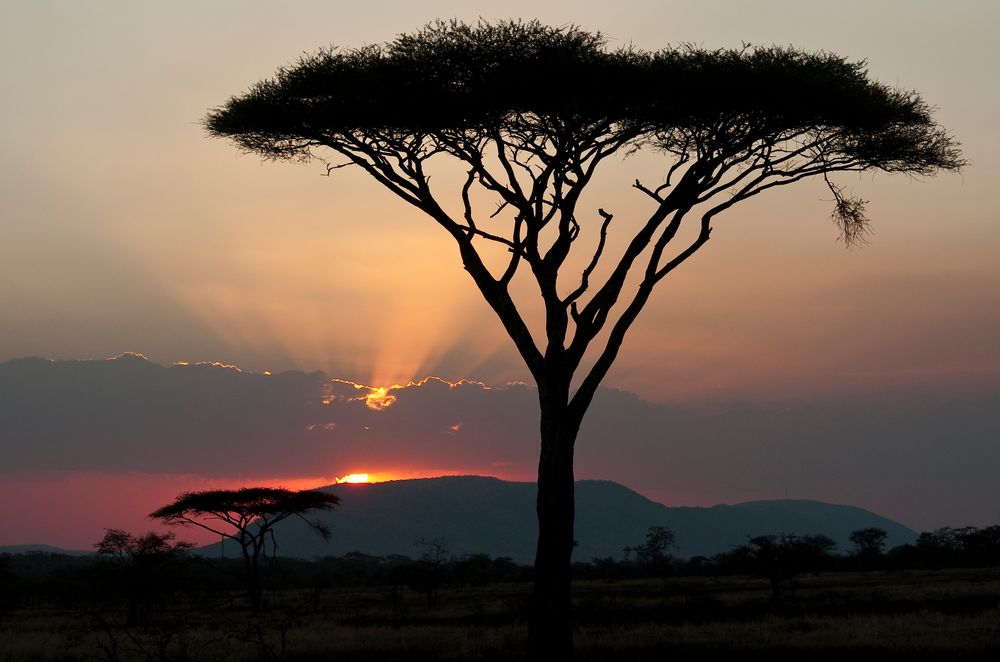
<point x="126" y="229"/>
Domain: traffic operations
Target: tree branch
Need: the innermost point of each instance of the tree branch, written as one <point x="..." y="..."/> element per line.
<point x="588" y="387"/>
<point x="585" y="277"/>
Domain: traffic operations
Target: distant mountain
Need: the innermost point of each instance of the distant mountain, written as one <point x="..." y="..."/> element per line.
<point x="473" y="514"/>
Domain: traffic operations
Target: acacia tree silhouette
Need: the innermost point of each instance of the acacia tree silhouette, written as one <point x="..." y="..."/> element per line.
<point x="531" y="112"/>
<point x="251" y="514"/>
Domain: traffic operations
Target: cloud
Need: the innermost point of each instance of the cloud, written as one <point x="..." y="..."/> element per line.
<point x="927" y="460"/>
<point x="129" y="414"/>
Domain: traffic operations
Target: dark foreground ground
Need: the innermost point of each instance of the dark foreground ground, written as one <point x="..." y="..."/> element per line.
<point x="904" y="615"/>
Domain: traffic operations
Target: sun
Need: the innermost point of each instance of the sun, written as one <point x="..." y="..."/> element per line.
<point x="353" y="478"/>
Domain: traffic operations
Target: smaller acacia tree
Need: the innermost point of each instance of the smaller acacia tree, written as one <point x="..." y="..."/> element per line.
<point x="248" y="516"/>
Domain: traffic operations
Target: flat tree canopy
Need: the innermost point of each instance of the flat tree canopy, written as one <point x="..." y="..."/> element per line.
<point x="451" y="76"/>
<point x="450" y="85"/>
<point x="260" y="506"/>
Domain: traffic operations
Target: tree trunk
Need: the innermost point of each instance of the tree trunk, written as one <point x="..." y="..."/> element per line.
<point x="550" y="627"/>
<point x="254" y="589"/>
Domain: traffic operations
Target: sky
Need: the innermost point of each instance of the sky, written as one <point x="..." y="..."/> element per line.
<point x="123" y="228"/>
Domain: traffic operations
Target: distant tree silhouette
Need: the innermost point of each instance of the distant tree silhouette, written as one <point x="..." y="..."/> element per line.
<point x="869" y="543"/>
<point x="427" y="573"/>
<point x="144" y="566"/>
<point x="655" y="551"/>
<point x="531" y="112"/>
<point x="250" y="513"/>
<point x="941" y="548"/>
<point x="779" y="559"/>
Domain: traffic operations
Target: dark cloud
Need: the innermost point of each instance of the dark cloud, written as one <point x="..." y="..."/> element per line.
<point x="129" y="414"/>
<point x="928" y="459"/>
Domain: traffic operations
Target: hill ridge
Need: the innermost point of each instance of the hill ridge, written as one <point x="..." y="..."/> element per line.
<point x="484" y="514"/>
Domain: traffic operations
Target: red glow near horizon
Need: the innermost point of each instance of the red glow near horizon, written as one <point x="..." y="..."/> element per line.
<point x="73" y="509"/>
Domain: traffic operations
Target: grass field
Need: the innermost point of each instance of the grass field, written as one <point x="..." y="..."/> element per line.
<point x="925" y="615"/>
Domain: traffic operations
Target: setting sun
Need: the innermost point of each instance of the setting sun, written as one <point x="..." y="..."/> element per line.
<point x="353" y="478"/>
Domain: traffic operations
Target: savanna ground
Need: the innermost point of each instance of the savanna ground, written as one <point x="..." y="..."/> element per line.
<point x="900" y="615"/>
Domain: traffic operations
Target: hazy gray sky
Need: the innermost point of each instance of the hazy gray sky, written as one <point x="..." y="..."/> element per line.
<point x="123" y="228"/>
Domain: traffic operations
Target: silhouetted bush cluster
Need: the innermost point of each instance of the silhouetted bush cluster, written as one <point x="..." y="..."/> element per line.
<point x="140" y="581"/>
<point x="967" y="547"/>
<point x="137" y="576"/>
<point x="358" y="569"/>
<point x="778" y="558"/>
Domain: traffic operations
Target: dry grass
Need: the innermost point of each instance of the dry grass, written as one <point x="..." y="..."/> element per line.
<point x="909" y="636"/>
<point x="903" y="616"/>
